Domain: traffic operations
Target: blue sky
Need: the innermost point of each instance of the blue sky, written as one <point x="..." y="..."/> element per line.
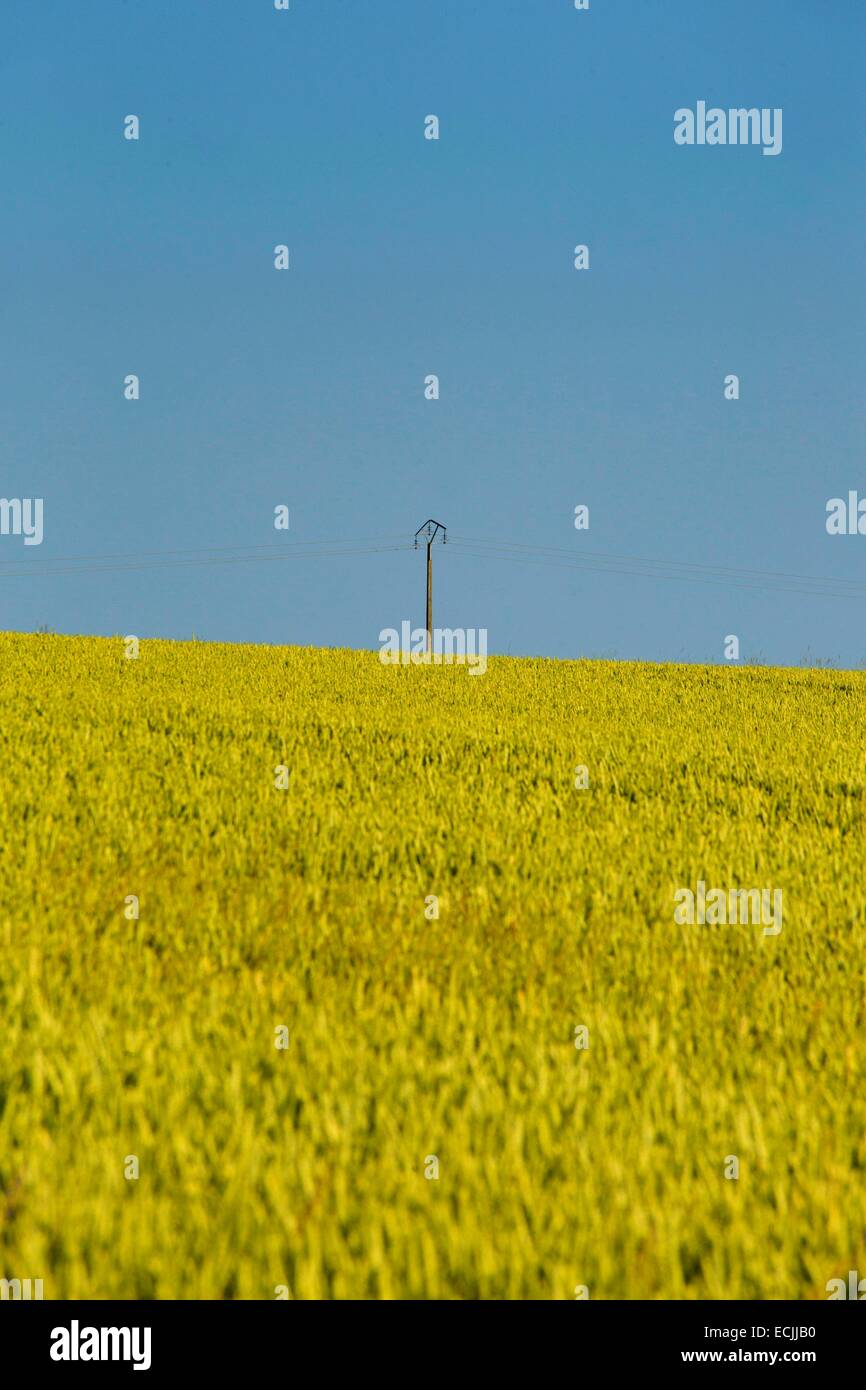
<point x="411" y="257"/>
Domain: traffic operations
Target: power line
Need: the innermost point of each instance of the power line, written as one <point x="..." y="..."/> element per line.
<point x="731" y="581"/>
<point x="104" y="564"/>
<point x="635" y="566"/>
<point x="645" y="568"/>
<point x="646" y="560"/>
<point x="226" y="549"/>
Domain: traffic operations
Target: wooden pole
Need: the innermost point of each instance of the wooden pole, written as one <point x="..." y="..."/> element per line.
<point x="430" y="597"/>
<point x="430" y="530"/>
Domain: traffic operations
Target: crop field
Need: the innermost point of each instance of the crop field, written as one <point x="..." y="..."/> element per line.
<point x="242" y="1057"/>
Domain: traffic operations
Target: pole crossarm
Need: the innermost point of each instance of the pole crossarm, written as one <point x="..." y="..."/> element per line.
<point x="429" y="531"/>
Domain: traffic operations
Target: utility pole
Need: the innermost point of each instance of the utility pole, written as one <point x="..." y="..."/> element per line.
<point x="428" y="532"/>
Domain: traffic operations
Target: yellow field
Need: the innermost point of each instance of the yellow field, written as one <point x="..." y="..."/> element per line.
<point x="412" y="1039"/>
